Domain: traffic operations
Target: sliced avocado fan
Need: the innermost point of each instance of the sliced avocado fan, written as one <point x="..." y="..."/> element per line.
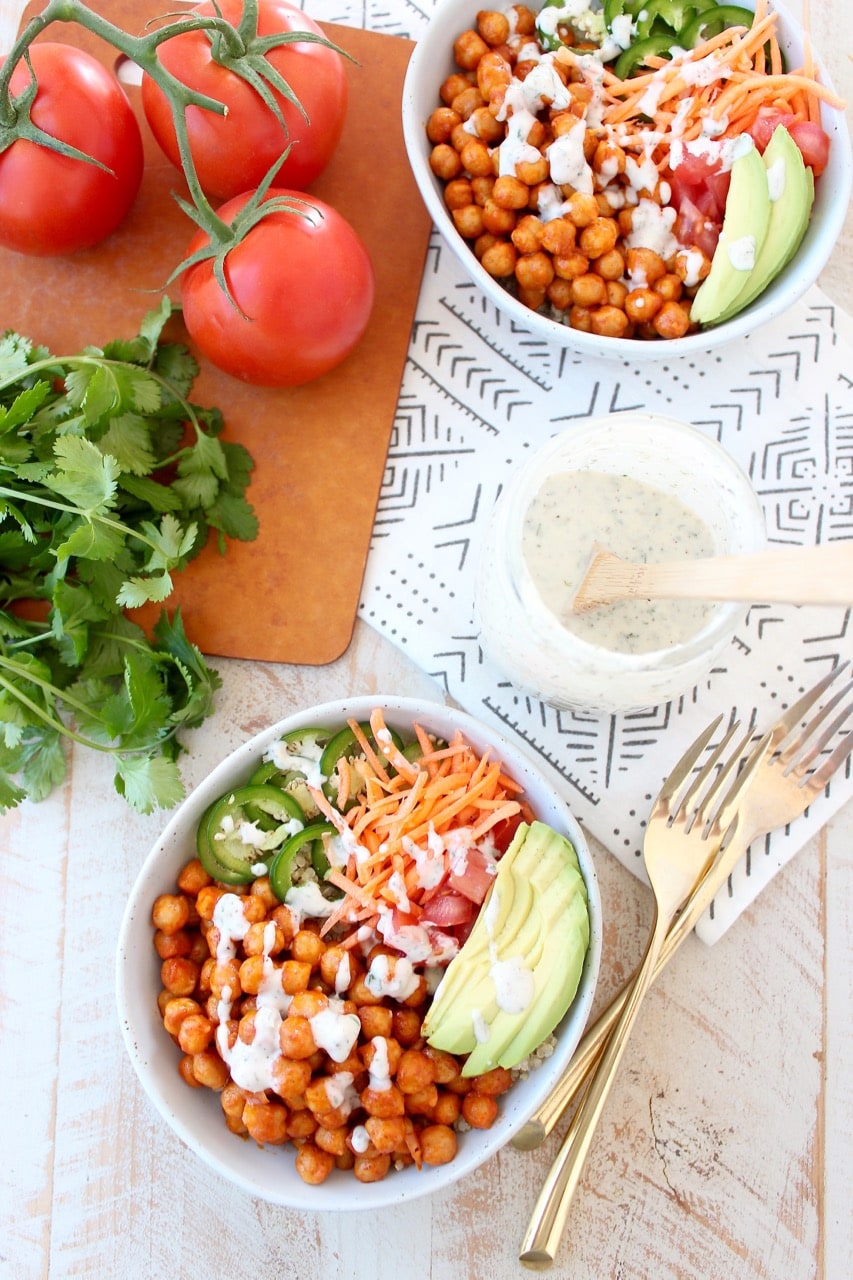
<point x="518" y="972"/>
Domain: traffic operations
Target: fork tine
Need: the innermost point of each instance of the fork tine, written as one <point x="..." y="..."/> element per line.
<point x="820" y="778"/>
<point x="684" y="767"/>
<point x="698" y="792"/>
<point x="791" y="720"/>
<point x="725" y="817"/>
<point x="798" y="756"/>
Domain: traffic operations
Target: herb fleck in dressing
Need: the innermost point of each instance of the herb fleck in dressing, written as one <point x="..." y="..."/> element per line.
<point x="572" y="510"/>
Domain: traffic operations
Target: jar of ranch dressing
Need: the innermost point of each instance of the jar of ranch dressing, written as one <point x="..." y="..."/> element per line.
<point x="647" y="488"/>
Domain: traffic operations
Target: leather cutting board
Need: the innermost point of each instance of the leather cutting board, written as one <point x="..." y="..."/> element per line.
<point x="319" y="450"/>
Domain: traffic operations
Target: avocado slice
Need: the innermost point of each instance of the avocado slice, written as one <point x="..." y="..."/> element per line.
<point x="745" y="224"/>
<point x="791" y="188"/>
<point x="537" y="942"/>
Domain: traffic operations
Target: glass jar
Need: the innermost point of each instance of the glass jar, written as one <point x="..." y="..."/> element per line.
<point x="525" y="639"/>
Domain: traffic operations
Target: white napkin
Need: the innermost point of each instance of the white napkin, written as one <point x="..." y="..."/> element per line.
<point x="478" y="396"/>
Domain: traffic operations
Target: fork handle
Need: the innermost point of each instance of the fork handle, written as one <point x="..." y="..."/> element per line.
<point x="548" y="1220"/>
<point x="536" y="1130"/>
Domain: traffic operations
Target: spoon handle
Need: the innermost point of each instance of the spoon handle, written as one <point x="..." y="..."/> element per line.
<point x="791" y="575"/>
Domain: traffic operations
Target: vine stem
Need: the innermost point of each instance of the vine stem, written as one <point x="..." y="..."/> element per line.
<point x="142" y="50"/>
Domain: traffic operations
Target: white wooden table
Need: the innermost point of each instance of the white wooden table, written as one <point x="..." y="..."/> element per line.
<point x="725" y="1152"/>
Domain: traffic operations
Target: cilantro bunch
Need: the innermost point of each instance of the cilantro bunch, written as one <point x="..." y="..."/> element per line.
<point x="110" y="481"/>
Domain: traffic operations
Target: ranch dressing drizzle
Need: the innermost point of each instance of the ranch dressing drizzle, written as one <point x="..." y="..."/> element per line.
<point x="574" y="509"/>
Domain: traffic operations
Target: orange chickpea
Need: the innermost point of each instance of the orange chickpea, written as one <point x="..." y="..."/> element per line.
<point x="262" y="889"/>
<point x="296" y="1037"/>
<point x="669" y="286"/>
<point x="185" y="1070"/>
<point x="487" y="128"/>
<point x="383" y="1102"/>
<point x="232" y="1099"/>
<point x="371" y="1168"/>
<point x="693" y="266"/>
<point x="195" y="1033"/>
<point x="422" y="1102"/>
<point x="534" y="271"/>
<point x="493" y="26"/>
<point x="179" y="975"/>
<point x="672" y="321"/>
<point x="465" y="104"/>
<point x="447" y="1067"/>
<point x="263" y="937"/>
<point x="387" y="1133"/>
<point x="493" y="73"/>
<point x="582" y="209"/>
<point x="609" y="322"/>
<point x="206" y="900"/>
<point x="209" y="1069"/>
<point x="376" y="1020"/>
<point x="617" y="292"/>
<point x="306" y="1004"/>
<point x="331" y="962"/>
<point x="510" y="193"/>
<point x="251" y="974"/>
<point x="569" y="266"/>
<point x="313" y="1164"/>
<point x="500" y="259"/>
<point x="599" y="237"/>
<point x="176" y="1010"/>
<point x="500" y="222"/>
<point x="171" y="912"/>
<point x="494" y="1082"/>
<point x="438" y="1144"/>
<point x="527" y="235"/>
<point x="589" y="290"/>
<point x="301" y="1124"/>
<point x="457" y="194"/>
<point x="476" y="158"/>
<point x="468" y="221"/>
<point x="415" y="1071"/>
<point x="468" y="49"/>
<point x="642" y="305"/>
<point x="362" y="994"/>
<point x="266" y="1122"/>
<point x="610" y="266"/>
<point x="480" y="1110"/>
<point x="559" y="236"/>
<point x="532" y="298"/>
<point x="532" y="172"/>
<point x="193" y="878"/>
<point x="453" y="86"/>
<point x="225" y="977"/>
<point x="483" y="243"/>
<point x="444" y="161"/>
<point x="559" y="293"/>
<point x="284" y="920"/>
<point x="332" y="1140"/>
<point x="482" y="186"/>
<point x="581" y="318"/>
<point x="441" y="124"/>
<point x="644" y="266"/>
<point x="447" y="1109"/>
<point x="406" y="1026"/>
<point x="295" y="976"/>
<point x="179" y="943"/>
<point x="291" y="1076"/>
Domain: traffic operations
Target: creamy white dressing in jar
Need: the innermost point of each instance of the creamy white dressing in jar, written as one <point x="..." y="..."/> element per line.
<point x="572" y="510"/>
<point x="524" y="638"/>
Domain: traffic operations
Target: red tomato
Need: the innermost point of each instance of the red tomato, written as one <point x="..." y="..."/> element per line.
<point x="812" y="140"/>
<point x="232" y="153"/>
<point x="53" y="204"/>
<point x="448" y="909"/>
<point x="304" y="283"/>
<point x="477" y="877"/>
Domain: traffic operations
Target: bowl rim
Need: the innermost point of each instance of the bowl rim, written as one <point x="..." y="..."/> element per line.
<point x="431" y="52"/>
<point x="139" y="1026"/>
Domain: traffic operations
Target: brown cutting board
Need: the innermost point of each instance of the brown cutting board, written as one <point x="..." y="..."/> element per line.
<point x="292" y="595"/>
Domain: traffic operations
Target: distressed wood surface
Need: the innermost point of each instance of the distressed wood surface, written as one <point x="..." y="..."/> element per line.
<point x="725" y="1150"/>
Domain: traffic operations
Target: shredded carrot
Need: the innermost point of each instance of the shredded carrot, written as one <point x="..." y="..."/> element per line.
<point x="403" y="811"/>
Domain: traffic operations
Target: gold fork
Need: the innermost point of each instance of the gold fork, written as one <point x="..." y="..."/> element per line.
<point x="685" y="832"/>
<point x="784" y="785"/>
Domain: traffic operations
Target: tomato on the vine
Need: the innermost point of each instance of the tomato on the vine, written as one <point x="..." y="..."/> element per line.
<point x="232" y="153"/>
<point x="303" y="283"/>
<point x="55" y="204"/>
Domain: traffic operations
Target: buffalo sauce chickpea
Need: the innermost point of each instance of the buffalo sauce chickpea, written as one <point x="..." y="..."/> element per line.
<point x="302" y="1038"/>
<point x="602" y="261"/>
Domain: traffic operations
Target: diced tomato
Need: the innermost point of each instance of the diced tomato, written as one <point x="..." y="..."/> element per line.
<point x="502" y="832"/>
<point x="695" y="229"/>
<point x="812" y="140"/>
<point x="699" y="192"/>
<point x="476" y="879"/>
<point x="449" y="909"/>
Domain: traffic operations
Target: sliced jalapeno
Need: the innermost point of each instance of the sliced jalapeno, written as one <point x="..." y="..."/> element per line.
<point x="634" y="57"/>
<point x="658" y="16"/>
<point x="209" y="860"/>
<point x="710" y="22"/>
<point x="236" y="837"/>
<point x="345" y="744"/>
<point x="280" y="868"/>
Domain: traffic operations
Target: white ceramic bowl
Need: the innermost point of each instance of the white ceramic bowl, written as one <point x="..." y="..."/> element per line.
<point x="195" y="1114"/>
<point x="432" y="62"/>
<point x="524" y="638"/>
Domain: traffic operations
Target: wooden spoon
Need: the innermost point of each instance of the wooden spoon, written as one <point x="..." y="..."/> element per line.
<point x="791" y="575"/>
